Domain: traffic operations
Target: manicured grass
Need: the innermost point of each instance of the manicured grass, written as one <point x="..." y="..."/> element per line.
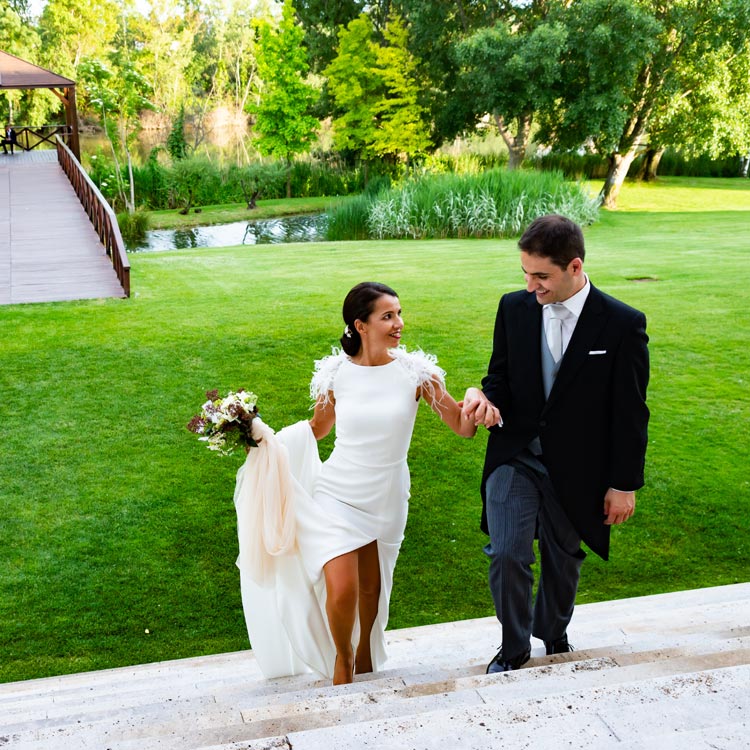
<point x="118" y="527"/>
<point x="682" y="194"/>
<point x="227" y="213"/>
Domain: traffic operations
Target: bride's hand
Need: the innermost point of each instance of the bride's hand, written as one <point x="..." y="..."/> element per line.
<point x="477" y="407"/>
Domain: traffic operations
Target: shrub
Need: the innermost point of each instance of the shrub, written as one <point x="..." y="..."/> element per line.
<point x="497" y="203"/>
<point x="594" y="167"/>
<point x="675" y="164"/>
<point x="151" y="182"/>
<point x="255" y="181"/>
<point x="194" y="182"/>
<point x="133" y="227"/>
<point x="574" y="166"/>
<point x="103" y="174"/>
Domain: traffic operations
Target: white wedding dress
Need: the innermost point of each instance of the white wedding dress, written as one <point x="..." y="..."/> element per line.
<point x="358" y="495"/>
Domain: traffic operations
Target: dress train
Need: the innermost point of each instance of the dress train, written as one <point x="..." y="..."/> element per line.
<point x="283" y="587"/>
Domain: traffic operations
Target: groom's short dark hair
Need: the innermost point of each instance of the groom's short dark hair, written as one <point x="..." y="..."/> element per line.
<point x="555" y="237"/>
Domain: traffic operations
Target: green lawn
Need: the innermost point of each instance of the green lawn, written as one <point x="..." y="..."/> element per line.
<point x="118" y="527"/>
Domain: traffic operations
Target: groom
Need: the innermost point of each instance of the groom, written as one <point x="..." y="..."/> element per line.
<point x="568" y="372"/>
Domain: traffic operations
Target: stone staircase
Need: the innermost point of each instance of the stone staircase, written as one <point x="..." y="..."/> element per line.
<point x="670" y="672"/>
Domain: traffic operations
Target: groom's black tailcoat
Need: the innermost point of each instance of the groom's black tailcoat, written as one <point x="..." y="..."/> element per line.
<point x="593" y="427"/>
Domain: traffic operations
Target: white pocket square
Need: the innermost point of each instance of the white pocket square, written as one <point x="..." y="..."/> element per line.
<point x="597" y="351"/>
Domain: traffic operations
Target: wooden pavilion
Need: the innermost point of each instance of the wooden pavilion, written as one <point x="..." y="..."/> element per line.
<point x="19" y="74"/>
<point x="59" y="238"/>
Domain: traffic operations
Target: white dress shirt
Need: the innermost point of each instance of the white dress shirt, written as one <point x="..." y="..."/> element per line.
<point x="574" y="305"/>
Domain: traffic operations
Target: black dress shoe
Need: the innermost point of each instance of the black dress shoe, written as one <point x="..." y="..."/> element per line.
<point x="501" y="664"/>
<point x="560" y="646"/>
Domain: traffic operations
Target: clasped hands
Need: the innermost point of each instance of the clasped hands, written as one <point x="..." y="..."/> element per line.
<point x="477" y="408"/>
<point x="619" y="505"/>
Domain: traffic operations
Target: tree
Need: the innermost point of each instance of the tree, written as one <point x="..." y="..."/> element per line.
<point x="164" y="40"/>
<point x="709" y="115"/>
<point x="282" y="121"/>
<point x="321" y="19"/>
<point x="356" y="88"/>
<point x="257" y="178"/>
<point x="240" y="51"/>
<point x="72" y="30"/>
<point x="225" y="66"/>
<point x="435" y="28"/>
<point x="119" y="95"/>
<point x="401" y="128"/>
<point x="511" y="72"/>
<point x="19" y="39"/>
<point x="376" y="89"/>
<point x="176" y="143"/>
<point x="185" y="178"/>
<point x="611" y="100"/>
<point x="21" y="8"/>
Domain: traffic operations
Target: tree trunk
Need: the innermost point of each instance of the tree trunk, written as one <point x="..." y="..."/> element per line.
<point x="185" y="210"/>
<point x="651" y="164"/>
<point x="744" y="165"/>
<point x="131" y="207"/>
<point x="517" y="144"/>
<point x="618" y="170"/>
<point x="288" y="177"/>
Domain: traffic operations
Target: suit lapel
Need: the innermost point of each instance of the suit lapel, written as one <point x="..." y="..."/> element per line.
<point x="589" y="325"/>
<point x="529" y="346"/>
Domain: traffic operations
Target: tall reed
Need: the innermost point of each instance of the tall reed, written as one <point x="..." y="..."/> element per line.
<point x="495" y="203"/>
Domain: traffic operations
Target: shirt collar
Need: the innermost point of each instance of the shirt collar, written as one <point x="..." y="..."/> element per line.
<point x="575" y="303"/>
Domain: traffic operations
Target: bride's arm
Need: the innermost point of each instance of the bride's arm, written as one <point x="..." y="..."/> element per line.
<point x="446" y="407"/>
<point x="324" y="416"/>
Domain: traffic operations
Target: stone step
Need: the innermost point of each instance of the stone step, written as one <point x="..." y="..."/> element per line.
<point x="215" y="720"/>
<point x="223" y="701"/>
<point x="723" y="737"/>
<point x="602" y="718"/>
<point x="470" y="642"/>
<point x="684" y="611"/>
<point x="680" y="612"/>
<point x="125" y="695"/>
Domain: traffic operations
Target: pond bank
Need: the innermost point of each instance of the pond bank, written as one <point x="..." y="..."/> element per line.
<point x="236" y="212"/>
<point x="306" y="228"/>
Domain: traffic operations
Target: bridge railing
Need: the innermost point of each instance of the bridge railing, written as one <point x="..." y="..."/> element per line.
<point x="29" y="138"/>
<point x="99" y="211"/>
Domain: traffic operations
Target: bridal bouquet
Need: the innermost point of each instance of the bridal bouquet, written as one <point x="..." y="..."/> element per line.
<point x="225" y="423"/>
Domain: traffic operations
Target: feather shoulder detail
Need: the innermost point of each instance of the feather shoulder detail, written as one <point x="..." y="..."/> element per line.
<point x="324" y="374"/>
<point x="422" y="368"/>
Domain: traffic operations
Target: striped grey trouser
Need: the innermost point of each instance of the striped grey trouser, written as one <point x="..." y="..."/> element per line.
<point x="521" y="503"/>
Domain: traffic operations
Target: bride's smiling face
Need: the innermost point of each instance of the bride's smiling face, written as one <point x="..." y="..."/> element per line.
<point x="384" y="325"/>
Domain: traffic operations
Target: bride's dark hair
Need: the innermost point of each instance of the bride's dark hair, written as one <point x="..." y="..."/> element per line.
<point x="358" y="305"/>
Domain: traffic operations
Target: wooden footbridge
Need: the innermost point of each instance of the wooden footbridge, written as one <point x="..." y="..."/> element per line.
<point x="58" y="238"/>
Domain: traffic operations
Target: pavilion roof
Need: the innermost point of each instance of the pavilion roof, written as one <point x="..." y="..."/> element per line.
<point x="19" y="74"/>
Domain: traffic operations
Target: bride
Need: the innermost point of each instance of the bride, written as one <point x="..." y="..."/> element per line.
<point x="321" y="604"/>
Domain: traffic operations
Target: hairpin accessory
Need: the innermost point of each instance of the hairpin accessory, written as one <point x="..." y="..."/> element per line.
<point x="347" y="332"/>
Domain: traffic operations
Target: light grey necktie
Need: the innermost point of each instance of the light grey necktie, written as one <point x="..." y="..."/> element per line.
<point x="553" y="329"/>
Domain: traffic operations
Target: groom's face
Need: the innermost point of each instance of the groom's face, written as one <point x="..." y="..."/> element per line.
<point x="549" y="282"/>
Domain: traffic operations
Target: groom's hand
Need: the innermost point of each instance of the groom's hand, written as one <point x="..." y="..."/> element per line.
<point x="477" y="408"/>
<point x="618" y="506"/>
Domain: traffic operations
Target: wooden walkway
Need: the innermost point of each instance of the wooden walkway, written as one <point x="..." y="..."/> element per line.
<point x="49" y="251"/>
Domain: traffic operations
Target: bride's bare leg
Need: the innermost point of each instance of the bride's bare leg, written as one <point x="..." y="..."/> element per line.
<point x="342" y="593"/>
<point x="369" y="597"/>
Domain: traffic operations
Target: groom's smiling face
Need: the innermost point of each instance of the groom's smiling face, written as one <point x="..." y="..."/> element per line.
<point x="549" y="282"/>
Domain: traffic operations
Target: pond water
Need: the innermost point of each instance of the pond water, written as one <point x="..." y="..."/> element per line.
<point x="309" y="228"/>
